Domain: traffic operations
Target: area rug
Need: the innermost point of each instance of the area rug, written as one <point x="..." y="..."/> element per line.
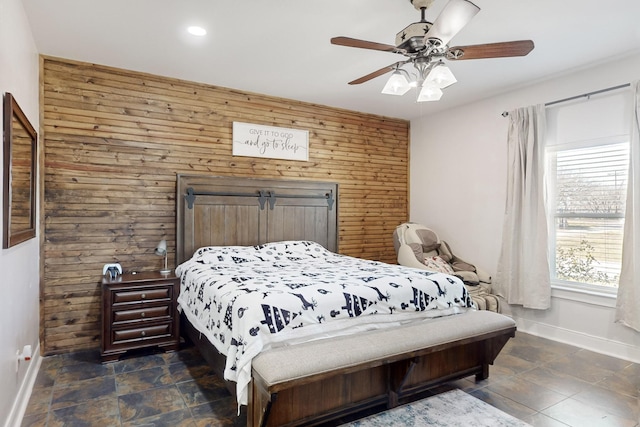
<point x="449" y="409"/>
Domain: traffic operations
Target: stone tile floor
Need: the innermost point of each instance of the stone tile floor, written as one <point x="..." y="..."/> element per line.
<point x="542" y="382"/>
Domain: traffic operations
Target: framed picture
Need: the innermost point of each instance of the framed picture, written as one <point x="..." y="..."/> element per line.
<point x="20" y="167"/>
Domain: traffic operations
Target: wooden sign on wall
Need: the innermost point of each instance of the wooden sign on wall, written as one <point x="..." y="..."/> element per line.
<point x="270" y="142"/>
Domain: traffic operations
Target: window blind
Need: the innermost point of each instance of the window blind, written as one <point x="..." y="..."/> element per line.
<point x="590" y="193"/>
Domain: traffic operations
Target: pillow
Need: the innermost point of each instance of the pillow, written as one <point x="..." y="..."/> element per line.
<point x="436" y="263"/>
<point x="226" y="255"/>
<point x="293" y="250"/>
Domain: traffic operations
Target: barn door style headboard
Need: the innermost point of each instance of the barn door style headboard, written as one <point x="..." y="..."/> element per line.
<point x="226" y="211"/>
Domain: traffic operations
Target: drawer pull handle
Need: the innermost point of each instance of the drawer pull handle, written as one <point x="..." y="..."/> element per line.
<point x="143" y="296"/>
<point x="143" y="333"/>
<point x="142" y="314"/>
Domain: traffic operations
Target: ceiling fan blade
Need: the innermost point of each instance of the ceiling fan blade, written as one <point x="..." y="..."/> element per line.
<point x="455" y="15"/>
<point x="363" y="44"/>
<point x="491" y="50"/>
<point x="377" y="73"/>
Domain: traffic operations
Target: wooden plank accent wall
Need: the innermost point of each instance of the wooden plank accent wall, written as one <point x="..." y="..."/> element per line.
<point x="114" y="141"/>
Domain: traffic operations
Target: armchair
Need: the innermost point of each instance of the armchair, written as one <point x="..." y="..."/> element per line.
<point x="420" y="247"/>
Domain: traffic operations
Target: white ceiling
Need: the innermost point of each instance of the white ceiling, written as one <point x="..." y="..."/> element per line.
<point x="281" y="47"/>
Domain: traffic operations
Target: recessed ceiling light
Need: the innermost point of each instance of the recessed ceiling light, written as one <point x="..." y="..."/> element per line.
<point x="197" y="31"/>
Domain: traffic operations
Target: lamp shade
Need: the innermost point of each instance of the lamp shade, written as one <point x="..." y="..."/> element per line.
<point x="429" y="92"/>
<point x="398" y="84"/>
<point x="161" y="249"/>
<point x="441" y="76"/>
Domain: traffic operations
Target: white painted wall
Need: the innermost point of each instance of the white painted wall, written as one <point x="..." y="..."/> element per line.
<point x="19" y="278"/>
<point x="458" y="188"/>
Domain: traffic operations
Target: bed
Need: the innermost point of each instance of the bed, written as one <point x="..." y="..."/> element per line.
<point x="235" y="237"/>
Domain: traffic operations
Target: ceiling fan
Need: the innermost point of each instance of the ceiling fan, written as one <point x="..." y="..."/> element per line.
<point x="426" y="44"/>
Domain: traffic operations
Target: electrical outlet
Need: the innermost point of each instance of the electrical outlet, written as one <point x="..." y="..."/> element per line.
<point x="25" y="355"/>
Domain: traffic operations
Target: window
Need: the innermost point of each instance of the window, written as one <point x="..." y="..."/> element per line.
<point x="588" y="219"/>
<point x="586" y="187"/>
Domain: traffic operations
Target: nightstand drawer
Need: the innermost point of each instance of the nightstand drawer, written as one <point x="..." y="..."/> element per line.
<point x="142" y="295"/>
<point x="149" y="313"/>
<point x="139" y="334"/>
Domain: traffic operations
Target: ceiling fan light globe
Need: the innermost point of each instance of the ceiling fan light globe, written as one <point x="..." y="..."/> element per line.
<point x="396" y="85"/>
<point x="429" y="92"/>
<point x="441" y="76"/>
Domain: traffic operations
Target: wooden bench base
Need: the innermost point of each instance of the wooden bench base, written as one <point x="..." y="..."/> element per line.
<point x="317" y="395"/>
<point x="382" y="378"/>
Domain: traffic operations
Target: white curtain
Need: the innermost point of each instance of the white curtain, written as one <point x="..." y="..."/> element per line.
<point x="628" y="301"/>
<point x="523" y="268"/>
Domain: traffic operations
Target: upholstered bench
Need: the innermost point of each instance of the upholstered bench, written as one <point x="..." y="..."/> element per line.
<point x="324" y="379"/>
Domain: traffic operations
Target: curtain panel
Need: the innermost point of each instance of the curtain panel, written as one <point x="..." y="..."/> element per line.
<point x="628" y="300"/>
<point x="522" y="276"/>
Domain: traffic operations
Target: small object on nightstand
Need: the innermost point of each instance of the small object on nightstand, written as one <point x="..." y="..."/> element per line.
<point x="161" y="250"/>
<point x="112" y="270"/>
<point x="139" y="310"/>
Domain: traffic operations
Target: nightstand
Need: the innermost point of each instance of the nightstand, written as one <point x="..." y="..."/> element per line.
<point x="138" y="311"/>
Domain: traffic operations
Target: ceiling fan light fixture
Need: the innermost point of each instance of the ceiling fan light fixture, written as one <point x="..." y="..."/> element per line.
<point x="429" y="92"/>
<point x="424" y="44"/>
<point x="441" y="76"/>
<point x="398" y="84"/>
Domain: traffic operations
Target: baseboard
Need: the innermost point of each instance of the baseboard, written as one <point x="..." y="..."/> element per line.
<point x="579" y="339"/>
<point x="24" y="393"/>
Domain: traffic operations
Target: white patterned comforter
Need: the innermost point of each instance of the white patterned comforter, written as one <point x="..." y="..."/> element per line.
<point x="245" y="299"/>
